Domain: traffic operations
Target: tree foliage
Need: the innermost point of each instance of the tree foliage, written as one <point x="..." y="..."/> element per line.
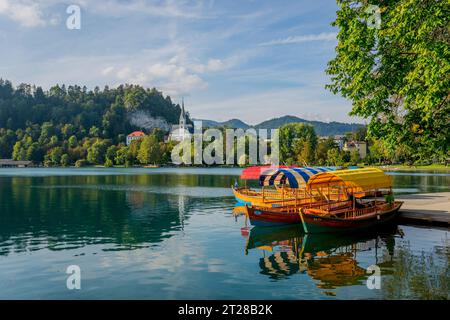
<point x="297" y="142"/>
<point x="397" y="75"/>
<point x="63" y="125"/>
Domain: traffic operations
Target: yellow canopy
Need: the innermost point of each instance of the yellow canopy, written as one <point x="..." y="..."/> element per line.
<point x="358" y="179"/>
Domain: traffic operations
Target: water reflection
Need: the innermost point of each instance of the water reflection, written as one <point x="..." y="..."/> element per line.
<point x="330" y="260"/>
<point x="174" y="236"/>
<point x="127" y="212"/>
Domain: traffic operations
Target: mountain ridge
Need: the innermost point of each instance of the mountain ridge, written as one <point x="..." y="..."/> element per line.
<point x="321" y="128"/>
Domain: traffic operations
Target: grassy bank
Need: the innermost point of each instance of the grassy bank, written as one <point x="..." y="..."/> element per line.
<point x="400" y="167"/>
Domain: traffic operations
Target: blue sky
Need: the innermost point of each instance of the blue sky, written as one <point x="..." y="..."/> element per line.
<point x="246" y="59"/>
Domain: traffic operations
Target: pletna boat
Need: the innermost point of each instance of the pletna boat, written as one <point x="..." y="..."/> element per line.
<point x="289" y="185"/>
<point x="350" y="201"/>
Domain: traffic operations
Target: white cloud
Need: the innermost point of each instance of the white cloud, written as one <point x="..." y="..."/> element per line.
<point x="107" y="71"/>
<point x="24" y="12"/>
<point x="175" y="76"/>
<point x="37" y="13"/>
<point x="213" y="65"/>
<point x="172" y="78"/>
<point x="324" y="36"/>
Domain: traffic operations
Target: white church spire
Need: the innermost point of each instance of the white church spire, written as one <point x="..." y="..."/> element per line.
<point x="182" y="114"/>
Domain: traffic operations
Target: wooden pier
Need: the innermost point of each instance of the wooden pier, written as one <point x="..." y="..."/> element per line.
<point x="426" y="209"/>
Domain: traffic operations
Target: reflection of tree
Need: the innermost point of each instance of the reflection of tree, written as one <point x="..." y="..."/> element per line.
<point x="63" y="212"/>
<point x="424" y="276"/>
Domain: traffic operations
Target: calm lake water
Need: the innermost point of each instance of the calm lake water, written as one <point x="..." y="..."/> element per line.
<point x="171" y="234"/>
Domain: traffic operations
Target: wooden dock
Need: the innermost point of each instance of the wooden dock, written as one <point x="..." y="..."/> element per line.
<point x="426" y="209"/>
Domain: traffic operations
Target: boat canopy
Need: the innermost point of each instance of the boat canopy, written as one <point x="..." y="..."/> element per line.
<point x="253" y="173"/>
<point x="294" y="177"/>
<point x="357" y="179"/>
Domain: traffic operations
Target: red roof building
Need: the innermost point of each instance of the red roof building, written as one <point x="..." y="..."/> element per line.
<point x="136" y="135"/>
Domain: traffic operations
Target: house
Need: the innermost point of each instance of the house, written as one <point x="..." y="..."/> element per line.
<point x="136" y="135"/>
<point x="339" y="140"/>
<point x="9" y="163"/>
<point x="182" y="130"/>
<point x="360" y="146"/>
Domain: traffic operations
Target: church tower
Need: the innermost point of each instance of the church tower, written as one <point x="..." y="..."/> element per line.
<point x="182" y="117"/>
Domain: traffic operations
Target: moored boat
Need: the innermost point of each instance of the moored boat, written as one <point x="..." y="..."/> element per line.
<point x="289" y="186"/>
<point x="349" y="201"/>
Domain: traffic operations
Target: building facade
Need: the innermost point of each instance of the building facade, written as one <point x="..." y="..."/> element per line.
<point x="182" y="130"/>
<point x="136" y="135"/>
<point x="360" y="146"/>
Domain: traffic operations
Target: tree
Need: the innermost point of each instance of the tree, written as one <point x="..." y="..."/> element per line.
<point x="134" y="148"/>
<point x="305" y="154"/>
<point x="65" y="161"/>
<point x="94" y="131"/>
<point x="334" y="157"/>
<point x="34" y="153"/>
<point x="289" y="134"/>
<point x="47" y="130"/>
<point x="111" y="153"/>
<point x="354" y="157"/>
<point x="80" y="163"/>
<point x="149" y="151"/>
<point x="53" y="157"/>
<point x="73" y="141"/>
<point x="397" y="75"/>
<point x="67" y="130"/>
<point x="322" y="149"/>
<point x="108" y="163"/>
<point x="19" y="152"/>
<point x="123" y="155"/>
<point x="96" y="153"/>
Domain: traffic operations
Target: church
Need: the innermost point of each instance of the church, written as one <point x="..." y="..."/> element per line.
<point x="182" y="130"/>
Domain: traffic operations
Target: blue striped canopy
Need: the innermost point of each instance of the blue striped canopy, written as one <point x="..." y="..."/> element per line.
<point x="294" y="177"/>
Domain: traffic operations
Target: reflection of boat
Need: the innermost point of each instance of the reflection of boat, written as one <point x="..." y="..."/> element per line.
<point x="313" y="243"/>
<point x="239" y="210"/>
<point x="344" y="205"/>
<point x="268" y="236"/>
<point x="329" y="259"/>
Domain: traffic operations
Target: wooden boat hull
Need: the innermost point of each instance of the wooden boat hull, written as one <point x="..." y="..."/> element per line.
<point x="268" y="218"/>
<point x="318" y="224"/>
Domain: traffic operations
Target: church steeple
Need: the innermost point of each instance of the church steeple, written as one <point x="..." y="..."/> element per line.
<point x="182" y="115"/>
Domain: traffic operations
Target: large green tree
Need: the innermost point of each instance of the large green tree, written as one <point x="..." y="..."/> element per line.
<point x="397" y="73"/>
<point x="149" y="151"/>
<point x="295" y="137"/>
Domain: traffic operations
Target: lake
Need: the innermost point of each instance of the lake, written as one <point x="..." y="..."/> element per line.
<point x="170" y="233"/>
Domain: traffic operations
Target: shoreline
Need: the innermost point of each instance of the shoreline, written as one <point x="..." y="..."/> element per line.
<point x="443" y="168"/>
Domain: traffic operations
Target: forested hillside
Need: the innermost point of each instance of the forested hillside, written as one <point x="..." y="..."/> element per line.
<point x="321" y="128"/>
<point x="44" y="126"/>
